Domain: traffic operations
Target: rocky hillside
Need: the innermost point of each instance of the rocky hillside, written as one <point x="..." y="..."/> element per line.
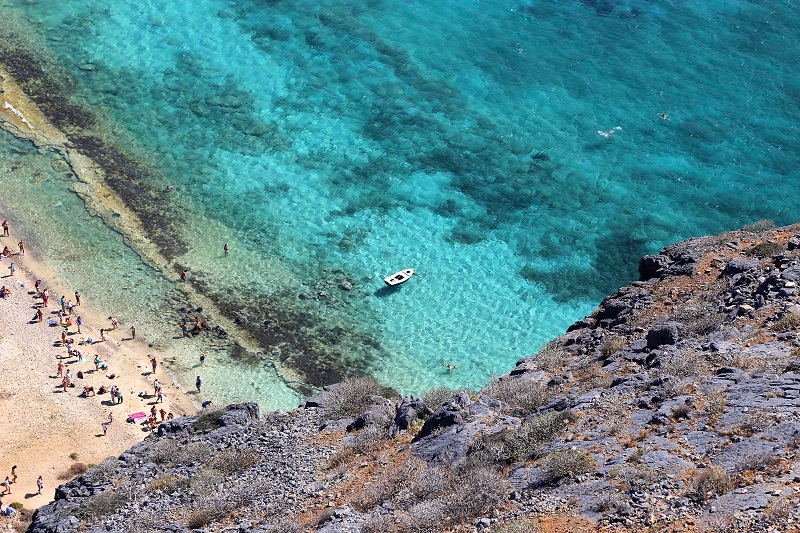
<point x="672" y="407"/>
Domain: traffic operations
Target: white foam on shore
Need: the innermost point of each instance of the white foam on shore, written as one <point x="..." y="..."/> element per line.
<point x="17" y="112"/>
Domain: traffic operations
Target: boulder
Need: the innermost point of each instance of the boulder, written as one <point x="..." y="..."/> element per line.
<point x="652" y="266"/>
<point x="740" y="265"/>
<point x="410" y="409"/>
<point x="239" y="414"/>
<point x="661" y="334"/>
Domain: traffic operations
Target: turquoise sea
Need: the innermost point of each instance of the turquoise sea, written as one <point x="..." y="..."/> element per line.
<point x="332" y="143"/>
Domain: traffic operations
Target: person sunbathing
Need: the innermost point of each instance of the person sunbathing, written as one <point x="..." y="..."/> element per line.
<point x="87" y="390"/>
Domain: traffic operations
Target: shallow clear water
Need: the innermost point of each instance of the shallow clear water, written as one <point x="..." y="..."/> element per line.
<point x="327" y="141"/>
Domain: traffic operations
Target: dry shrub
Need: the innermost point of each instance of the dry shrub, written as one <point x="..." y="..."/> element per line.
<point x="75" y="469"/>
<point x="434" y="398"/>
<point x="209" y="418"/>
<point x="232" y="461"/>
<point x="205" y="481"/>
<point x="519" y="442"/>
<point x="432" y="498"/>
<point x="201" y="516"/>
<point x="764" y="461"/>
<point x="523" y="396"/>
<point x="287" y="525"/>
<point x="354" y="396"/>
<point x="717" y="401"/>
<point x="102" y="504"/>
<point x="756" y="421"/>
<point x="551" y="358"/>
<point x="612" y="346"/>
<point x="636" y="476"/>
<point x="520" y="525"/>
<point x="711" y="482"/>
<point x="167" y="450"/>
<point x="699" y="318"/>
<point x="681" y="412"/>
<point x="567" y="463"/>
<point x="167" y="484"/>
<point x="787" y="322"/>
<point x="684" y="364"/>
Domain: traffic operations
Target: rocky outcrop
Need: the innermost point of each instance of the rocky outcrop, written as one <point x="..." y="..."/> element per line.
<point x="672" y="407"/>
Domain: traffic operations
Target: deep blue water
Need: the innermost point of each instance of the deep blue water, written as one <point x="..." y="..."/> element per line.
<point x="330" y="140"/>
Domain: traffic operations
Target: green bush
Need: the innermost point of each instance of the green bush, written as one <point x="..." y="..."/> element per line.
<point x="765" y="249"/>
<point x="208" y="419"/>
<point x="16" y="506"/>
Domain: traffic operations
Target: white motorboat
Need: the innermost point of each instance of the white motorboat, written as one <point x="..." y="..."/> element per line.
<point x="399" y="277"/>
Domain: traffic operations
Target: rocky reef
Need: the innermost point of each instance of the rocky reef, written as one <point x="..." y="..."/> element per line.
<point x="672" y="407"/>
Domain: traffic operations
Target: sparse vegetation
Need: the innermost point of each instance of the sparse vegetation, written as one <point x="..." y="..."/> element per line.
<point x="612" y="346"/>
<point x="787" y="322"/>
<point x="522" y="396"/>
<point x="434" y="398"/>
<point x="758" y="462"/>
<point x="701" y="318"/>
<point x="200" y="517"/>
<point x="520" y="525"/>
<point x="354" y="396"/>
<point x="717" y="401"/>
<point x="636" y="476"/>
<point x="551" y="358"/>
<point x="765" y="249"/>
<point x="232" y="461"/>
<point x="208" y="419"/>
<point x="759" y="227"/>
<point x="755" y="421"/>
<point x="567" y="463"/>
<point x="519" y="442"/>
<point x="168" y="484"/>
<point x="711" y="482"/>
<point x="74" y="456"/>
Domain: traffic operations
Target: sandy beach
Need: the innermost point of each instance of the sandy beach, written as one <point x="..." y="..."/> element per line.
<point x="46" y="430"/>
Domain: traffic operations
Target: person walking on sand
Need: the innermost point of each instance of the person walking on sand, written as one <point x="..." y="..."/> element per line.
<point x="11" y="268"/>
<point x="79" y="322"/>
<point x="21" y="247"/>
<point x="39" y="484"/>
<point x="7" y="486"/>
<point x="102" y="334"/>
<point x="114" y="322"/>
<point x="198" y="383"/>
<point x="105" y="428"/>
<point x="133" y="331"/>
<point x="154" y="363"/>
<point x="156" y="386"/>
<point x="160" y="395"/>
<point x="5" y="229"/>
<point x="77" y="298"/>
<point x="14" y="474"/>
<point x="63" y="305"/>
<point x="60" y="369"/>
<point x="39" y="314"/>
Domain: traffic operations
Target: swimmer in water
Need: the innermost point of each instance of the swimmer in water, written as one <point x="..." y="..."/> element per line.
<point x="609" y="133"/>
<point x="170" y="187"/>
<point x="663" y="116"/>
<point x="450" y="367"/>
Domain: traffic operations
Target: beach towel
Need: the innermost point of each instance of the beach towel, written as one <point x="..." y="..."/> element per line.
<point x="137" y="417"/>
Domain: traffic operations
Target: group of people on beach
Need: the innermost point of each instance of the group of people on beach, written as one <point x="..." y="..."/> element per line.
<point x="7" y="482"/>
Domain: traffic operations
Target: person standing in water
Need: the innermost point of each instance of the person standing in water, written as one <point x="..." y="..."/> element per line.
<point x="226" y="248"/>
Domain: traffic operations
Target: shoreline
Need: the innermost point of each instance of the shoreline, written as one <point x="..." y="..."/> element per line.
<point x="46" y="429"/>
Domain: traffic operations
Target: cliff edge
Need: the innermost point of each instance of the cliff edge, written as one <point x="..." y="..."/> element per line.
<point x="672" y="407"/>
